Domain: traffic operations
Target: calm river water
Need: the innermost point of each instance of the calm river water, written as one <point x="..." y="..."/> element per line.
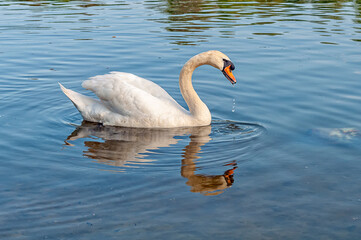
<point x="281" y="160"/>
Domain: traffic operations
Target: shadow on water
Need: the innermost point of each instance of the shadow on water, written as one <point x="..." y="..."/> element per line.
<point x="190" y="22"/>
<point x="126" y="148"/>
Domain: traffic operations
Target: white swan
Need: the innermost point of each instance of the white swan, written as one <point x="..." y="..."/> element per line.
<point x="130" y="101"/>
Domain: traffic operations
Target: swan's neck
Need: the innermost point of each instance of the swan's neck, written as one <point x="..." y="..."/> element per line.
<point x="197" y="108"/>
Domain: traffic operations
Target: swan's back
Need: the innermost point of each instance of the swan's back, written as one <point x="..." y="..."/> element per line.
<point x="112" y="83"/>
<point x="130" y="95"/>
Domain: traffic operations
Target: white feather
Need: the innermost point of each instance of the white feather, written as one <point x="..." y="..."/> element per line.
<point x="127" y="100"/>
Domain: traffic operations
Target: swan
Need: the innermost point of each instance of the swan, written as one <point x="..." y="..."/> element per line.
<point x="130" y="101"/>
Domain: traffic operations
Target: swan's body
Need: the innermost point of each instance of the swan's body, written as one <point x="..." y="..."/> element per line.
<point x="131" y="101"/>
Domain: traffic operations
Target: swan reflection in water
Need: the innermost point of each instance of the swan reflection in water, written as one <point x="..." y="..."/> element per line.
<point x="128" y="147"/>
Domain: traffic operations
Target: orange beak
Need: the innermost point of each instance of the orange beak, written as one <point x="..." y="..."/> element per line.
<point x="229" y="75"/>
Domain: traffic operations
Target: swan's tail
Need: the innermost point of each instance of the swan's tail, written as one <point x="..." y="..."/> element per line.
<point x="83" y="103"/>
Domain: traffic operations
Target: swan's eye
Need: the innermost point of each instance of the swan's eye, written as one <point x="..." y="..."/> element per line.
<point x="228" y="63"/>
<point x="232" y="66"/>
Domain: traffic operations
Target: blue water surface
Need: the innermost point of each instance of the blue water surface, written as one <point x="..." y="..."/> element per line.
<point x="281" y="159"/>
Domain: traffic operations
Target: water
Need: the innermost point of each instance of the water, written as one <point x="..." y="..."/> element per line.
<point x="281" y="159"/>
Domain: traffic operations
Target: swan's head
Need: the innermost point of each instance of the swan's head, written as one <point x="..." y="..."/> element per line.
<point x="228" y="67"/>
<point x="222" y="62"/>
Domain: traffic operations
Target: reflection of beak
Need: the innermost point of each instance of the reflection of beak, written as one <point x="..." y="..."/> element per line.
<point x="228" y="175"/>
<point x="229" y="75"/>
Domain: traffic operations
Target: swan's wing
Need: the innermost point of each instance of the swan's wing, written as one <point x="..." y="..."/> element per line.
<point x="130" y="95"/>
<point x="138" y="82"/>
